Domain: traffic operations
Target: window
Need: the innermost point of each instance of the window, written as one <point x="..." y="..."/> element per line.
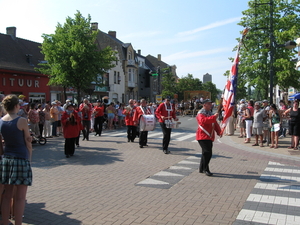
<point x="115" y="77"/>
<point x="119" y="78"/>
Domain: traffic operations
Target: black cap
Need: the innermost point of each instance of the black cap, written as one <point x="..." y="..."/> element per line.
<point x="73" y="105"/>
<point x="206" y="100"/>
<point x="99" y="101"/>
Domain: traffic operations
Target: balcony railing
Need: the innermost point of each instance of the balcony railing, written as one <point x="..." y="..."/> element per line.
<point x="131" y="84"/>
<point x="131" y="62"/>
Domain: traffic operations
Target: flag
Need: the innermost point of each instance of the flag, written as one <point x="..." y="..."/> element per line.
<point x="230" y="88"/>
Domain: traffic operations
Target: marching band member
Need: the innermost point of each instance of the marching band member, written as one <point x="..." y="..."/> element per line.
<point x="131" y="127"/>
<point x="142" y="110"/>
<point x="165" y="113"/>
<point x="205" y="134"/>
<point x="98" y="112"/>
<point x="71" y="125"/>
<point x="86" y="109"/>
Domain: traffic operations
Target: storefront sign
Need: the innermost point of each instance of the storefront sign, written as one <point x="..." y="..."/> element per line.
<point x="20" y="82"/>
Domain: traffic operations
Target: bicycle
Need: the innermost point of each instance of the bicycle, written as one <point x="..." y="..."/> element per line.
<point x="37" y="139"/>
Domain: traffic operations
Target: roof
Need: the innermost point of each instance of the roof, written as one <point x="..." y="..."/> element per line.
<point x="155" y="62"/>
<point x="19" y="54"/>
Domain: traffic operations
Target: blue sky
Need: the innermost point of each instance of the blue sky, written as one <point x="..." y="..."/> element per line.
<point x="195" y="35"/>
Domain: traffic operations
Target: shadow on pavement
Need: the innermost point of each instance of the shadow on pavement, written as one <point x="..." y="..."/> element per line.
<point x="53" y="156"/>
<point x="36" y="214"/>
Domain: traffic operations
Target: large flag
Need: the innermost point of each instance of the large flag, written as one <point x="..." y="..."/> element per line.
<point x="230" y="88"/>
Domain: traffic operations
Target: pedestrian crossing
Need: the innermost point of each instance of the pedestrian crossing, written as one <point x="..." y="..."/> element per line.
<point x="175" y="135"/>
<point x="275" y="199"/>
<point x="165" y="179"/>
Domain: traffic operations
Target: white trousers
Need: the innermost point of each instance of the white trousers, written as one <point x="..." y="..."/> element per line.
<point x="248" y="126"/>
<point x="47" y="128"/>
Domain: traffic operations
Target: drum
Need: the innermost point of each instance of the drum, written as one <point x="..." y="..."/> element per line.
<point x="147" y="122"/>
<point x="172" y="124"/>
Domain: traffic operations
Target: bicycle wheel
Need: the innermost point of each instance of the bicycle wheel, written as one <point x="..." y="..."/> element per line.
<point x="42" y="141"/>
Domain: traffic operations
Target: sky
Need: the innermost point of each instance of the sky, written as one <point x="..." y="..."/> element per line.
<point x="198" y="36"/>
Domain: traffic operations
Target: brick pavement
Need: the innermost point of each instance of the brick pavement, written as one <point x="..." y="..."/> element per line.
<point x="98" y="184"/>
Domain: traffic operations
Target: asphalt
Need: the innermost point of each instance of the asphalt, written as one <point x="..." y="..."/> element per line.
<point x="111" y="181"/>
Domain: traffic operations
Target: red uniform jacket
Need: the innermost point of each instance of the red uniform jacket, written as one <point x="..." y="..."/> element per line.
<point x="99" y="110"/>
<point x="209" y="123"/>
<point x="139" y="112"/>
<point x="161" y="111"/>
<point x="129" y="116"/>
<point x="71" y="130"/>
<point x="86" y="112"/>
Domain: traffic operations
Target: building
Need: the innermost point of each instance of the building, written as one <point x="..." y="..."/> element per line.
<point x="207" y="78"/>
<point x="156" y="65"/>
<point x="123" y="78"/>
<point x="18" y="60"/>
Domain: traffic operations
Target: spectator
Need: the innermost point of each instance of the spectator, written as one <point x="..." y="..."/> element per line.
<point x="41" y="119"/>
<point x="15" y="169"/>
<point x="86" y="109"/>
<point x="54" y="117"/>
<point x="33" y="119"/>
<point x="275" y="125"/>
<point x="257" y="129"/>
<point x="294" y="125"/>
<point x="47" y="124"/>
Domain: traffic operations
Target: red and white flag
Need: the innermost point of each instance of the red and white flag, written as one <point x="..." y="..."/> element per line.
<point x="230" y="88"/>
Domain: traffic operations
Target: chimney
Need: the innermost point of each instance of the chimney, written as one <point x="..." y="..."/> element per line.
<point x="11" y="31"/>
<point x="112" y="34"/>
<point x="139" y="51"/>
<point x="159" y="57"/>
<point x="94" y="26"/>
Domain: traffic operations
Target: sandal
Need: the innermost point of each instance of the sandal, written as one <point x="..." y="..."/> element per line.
<point x="241" y="136"/>
<point x="272" y="146"/>
<point x="255" y="145"/>
<point x="261" y="145"/>
<point x="275" y="147"/>
<point x="295" y="148"/>
<point x="290" y="147"/>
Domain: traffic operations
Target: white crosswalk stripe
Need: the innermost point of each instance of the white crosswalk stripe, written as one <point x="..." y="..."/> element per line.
<point x="175" y="136"/>
<point x="167" y="178"/>
<point x="275" y="199"/>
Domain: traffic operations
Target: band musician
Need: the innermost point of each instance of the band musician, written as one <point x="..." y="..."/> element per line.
<point x="142" y="110"/>
<point x="165" y="113"/>
<point x="131" y="127"/>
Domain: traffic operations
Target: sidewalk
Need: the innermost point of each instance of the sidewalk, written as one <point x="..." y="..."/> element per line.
<point x="110" y="181"/>
<point x="283" y="144"/>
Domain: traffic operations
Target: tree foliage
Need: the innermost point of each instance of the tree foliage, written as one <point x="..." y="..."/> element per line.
<point x="209" y="86"/>
<point x="72" y="56"/>
<point x="188" y="83"/>
<point x="168" y="83"/>
<point x="254" y="68"/>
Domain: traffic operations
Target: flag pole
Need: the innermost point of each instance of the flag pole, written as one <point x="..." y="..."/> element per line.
<point x="229" y="93"/>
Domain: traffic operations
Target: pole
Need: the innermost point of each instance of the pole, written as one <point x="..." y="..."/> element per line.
<point x="271" y="52"/>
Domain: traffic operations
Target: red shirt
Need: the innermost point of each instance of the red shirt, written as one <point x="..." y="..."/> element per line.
<point x="139" y="112"/>
<point x="163" y="110"/>
<point x="71" y="130"/>
<point x="99" y="110"/>
<point x="207" y="130"/>
<point x="86" y="111"/>
<point x="129" y="116"/>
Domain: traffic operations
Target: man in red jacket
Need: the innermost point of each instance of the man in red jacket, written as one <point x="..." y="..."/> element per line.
<point x="205" y="134"/>
<point x="131" y="127"/>
<point x="98" y="111"/>
<point x="86" y="109"/>
<point x="142" y="110"/>
<point x="165" y="112"/>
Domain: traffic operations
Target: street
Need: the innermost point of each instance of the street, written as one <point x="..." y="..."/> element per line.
<point x="111" y="181"/>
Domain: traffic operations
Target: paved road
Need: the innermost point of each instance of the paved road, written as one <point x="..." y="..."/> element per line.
<point x="111" y="181"/>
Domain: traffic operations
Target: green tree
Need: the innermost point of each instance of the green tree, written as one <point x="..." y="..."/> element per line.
<point x="168" y="83"/>
<point x="276" y="20"/>
<point x="209" y="86"/>
<point x="188" y="83"/>
<point x="72" y="56"/>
